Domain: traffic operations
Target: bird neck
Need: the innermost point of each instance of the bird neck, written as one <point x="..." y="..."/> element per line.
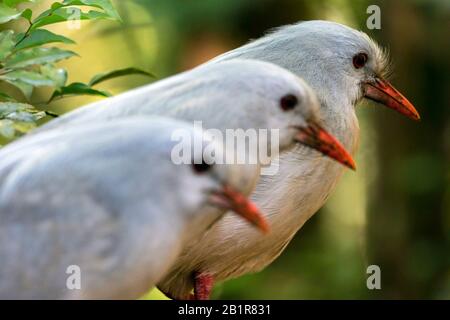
<point x="343" y="124"/>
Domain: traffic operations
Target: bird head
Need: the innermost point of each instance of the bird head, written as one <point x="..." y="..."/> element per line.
<point x="341" y="64"/>
<point x="223" y="187"/>
<point x="298" y="113"/>
<point x="361" y="66"/>
<point x="261" y="96"/>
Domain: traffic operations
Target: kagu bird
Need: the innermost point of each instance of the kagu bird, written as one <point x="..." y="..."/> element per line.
<point x="343" y="66"/>
<point x="238" y="94"/>
<point x="108" y="199"/>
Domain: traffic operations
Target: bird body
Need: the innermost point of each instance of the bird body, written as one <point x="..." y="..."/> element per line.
<point x="105" y="198"/>
<point x="233" y="92"/>
<point x="341" y="65"/>
<point x="290" y="198"/>
<point x="238" y="94"/>
<point x="321" y="52"/>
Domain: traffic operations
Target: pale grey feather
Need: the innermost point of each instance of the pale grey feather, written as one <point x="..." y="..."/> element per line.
<point x="221" y="95"/>
<point x="105" y="197"/>
<point x="234" y="94"/>
<point x="321" y="53"/>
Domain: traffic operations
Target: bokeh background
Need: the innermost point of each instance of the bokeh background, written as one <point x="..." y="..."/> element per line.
<point x="394" y="211"/>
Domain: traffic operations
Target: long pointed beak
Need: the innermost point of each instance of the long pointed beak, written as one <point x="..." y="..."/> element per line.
<point x="383" y="92"/>
<point x="230" y="199"/>
<point x="319" y="139"/>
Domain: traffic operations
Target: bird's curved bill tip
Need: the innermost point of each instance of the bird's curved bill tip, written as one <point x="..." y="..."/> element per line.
<point x="228" y="198"/>
<point x="314" y="136"/>
<point x="383" y="92"/>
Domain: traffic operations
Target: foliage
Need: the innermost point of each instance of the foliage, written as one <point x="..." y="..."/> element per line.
<point x="27" y="61"/>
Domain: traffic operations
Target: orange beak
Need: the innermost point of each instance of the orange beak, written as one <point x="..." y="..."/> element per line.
<point x="383" y="92"/>
<point x="319" y="139"/>
<point x="230" y="199"/>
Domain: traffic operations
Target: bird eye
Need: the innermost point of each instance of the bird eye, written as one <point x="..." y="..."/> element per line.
<point x="288" y="102"/>
<point x="360" y="60"/>
<point x="201" y="167"/>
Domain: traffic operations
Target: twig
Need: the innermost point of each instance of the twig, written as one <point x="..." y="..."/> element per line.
<point x="51" y="114"/>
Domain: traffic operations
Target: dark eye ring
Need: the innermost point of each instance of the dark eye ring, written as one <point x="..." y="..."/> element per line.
<point x="360" y="60"/>
<point x="288" y="102"/>
<point x="201" y="167"/>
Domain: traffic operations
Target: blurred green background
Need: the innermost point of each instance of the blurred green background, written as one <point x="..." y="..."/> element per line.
<point x="394" y="211"/>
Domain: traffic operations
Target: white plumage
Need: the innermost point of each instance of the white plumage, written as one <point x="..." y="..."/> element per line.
<point x="80" y="158"/>
<point x="106" y="198"/>
<point x="241" y="94"/>
<point x="322" y="53"/>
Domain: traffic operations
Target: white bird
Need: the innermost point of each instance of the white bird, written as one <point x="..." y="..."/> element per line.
<point x="245" y="94"/>
<point x="107" y="201"/>
<point x="342" y="65"/>
<point x="236" y="94"/>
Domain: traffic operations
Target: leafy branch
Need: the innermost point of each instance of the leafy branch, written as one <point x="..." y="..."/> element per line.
<point x="27" y="62"/>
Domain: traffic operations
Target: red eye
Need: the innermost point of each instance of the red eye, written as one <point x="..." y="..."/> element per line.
<point x="360" y="60"/>
<point x="288" y="102"/>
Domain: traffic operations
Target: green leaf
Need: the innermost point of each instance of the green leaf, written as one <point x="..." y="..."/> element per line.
<point x="40" y="37"/>
<point x="117" y="73"/>
<point x="13" y="3"/>
<point x="6" y="43"/>
<point x="25" y="88"/>
<point x="55" y="6"/>
<point x="20" y="112"/>
<point x="57" y="75"/>
<point x="6" y="97"/>
<point x="29" y="77"/>
<point x="12" y="129"/>
<point x="17" y="118"/>
<point x="105" y="5"/>
<point x="78" y="88"/>
<point x="35" y="56"/>
<point x="27" y="14"/>
<point x="63" y="14"/>
<point x="7" y="13"/>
